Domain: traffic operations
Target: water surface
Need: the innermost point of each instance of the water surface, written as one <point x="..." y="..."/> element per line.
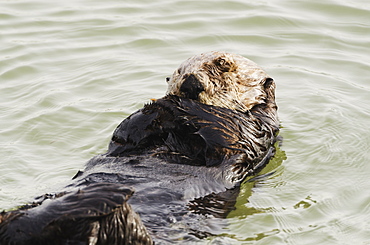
<point x="70" y="71"/>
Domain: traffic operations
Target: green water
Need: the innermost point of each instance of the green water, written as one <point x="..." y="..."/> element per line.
<point x="70" y="71"/>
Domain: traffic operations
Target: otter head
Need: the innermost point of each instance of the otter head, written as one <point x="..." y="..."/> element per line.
<point x="221" y="79"/>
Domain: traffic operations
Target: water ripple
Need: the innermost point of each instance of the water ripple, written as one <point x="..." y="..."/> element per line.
<point x="71" y="71"/>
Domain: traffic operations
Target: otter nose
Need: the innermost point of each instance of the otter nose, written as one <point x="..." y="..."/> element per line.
<point x="191" y="87"/>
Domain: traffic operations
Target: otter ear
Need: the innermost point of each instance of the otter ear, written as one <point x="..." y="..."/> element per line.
<point x="268" y="82"/>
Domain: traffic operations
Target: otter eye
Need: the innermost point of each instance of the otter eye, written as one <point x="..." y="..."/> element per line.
<point x="222" y="64"/>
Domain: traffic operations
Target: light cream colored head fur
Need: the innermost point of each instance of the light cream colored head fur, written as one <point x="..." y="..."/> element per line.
<point x="229" y="80"/>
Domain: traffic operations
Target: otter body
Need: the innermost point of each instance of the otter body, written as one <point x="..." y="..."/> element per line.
<point x="192" y="146"/>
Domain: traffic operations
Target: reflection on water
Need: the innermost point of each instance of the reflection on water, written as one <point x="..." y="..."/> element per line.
<point x="71" y="71"/>
<point x="269" y="176"/>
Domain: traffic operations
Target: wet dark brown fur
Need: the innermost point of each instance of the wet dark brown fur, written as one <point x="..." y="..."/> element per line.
<point x="217" y="125"/>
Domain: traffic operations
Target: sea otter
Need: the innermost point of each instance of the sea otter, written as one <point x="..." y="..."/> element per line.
<point x="169" y="166"/>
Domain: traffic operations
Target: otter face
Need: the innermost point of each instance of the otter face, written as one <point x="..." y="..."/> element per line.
<point x="220" y="79"/>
